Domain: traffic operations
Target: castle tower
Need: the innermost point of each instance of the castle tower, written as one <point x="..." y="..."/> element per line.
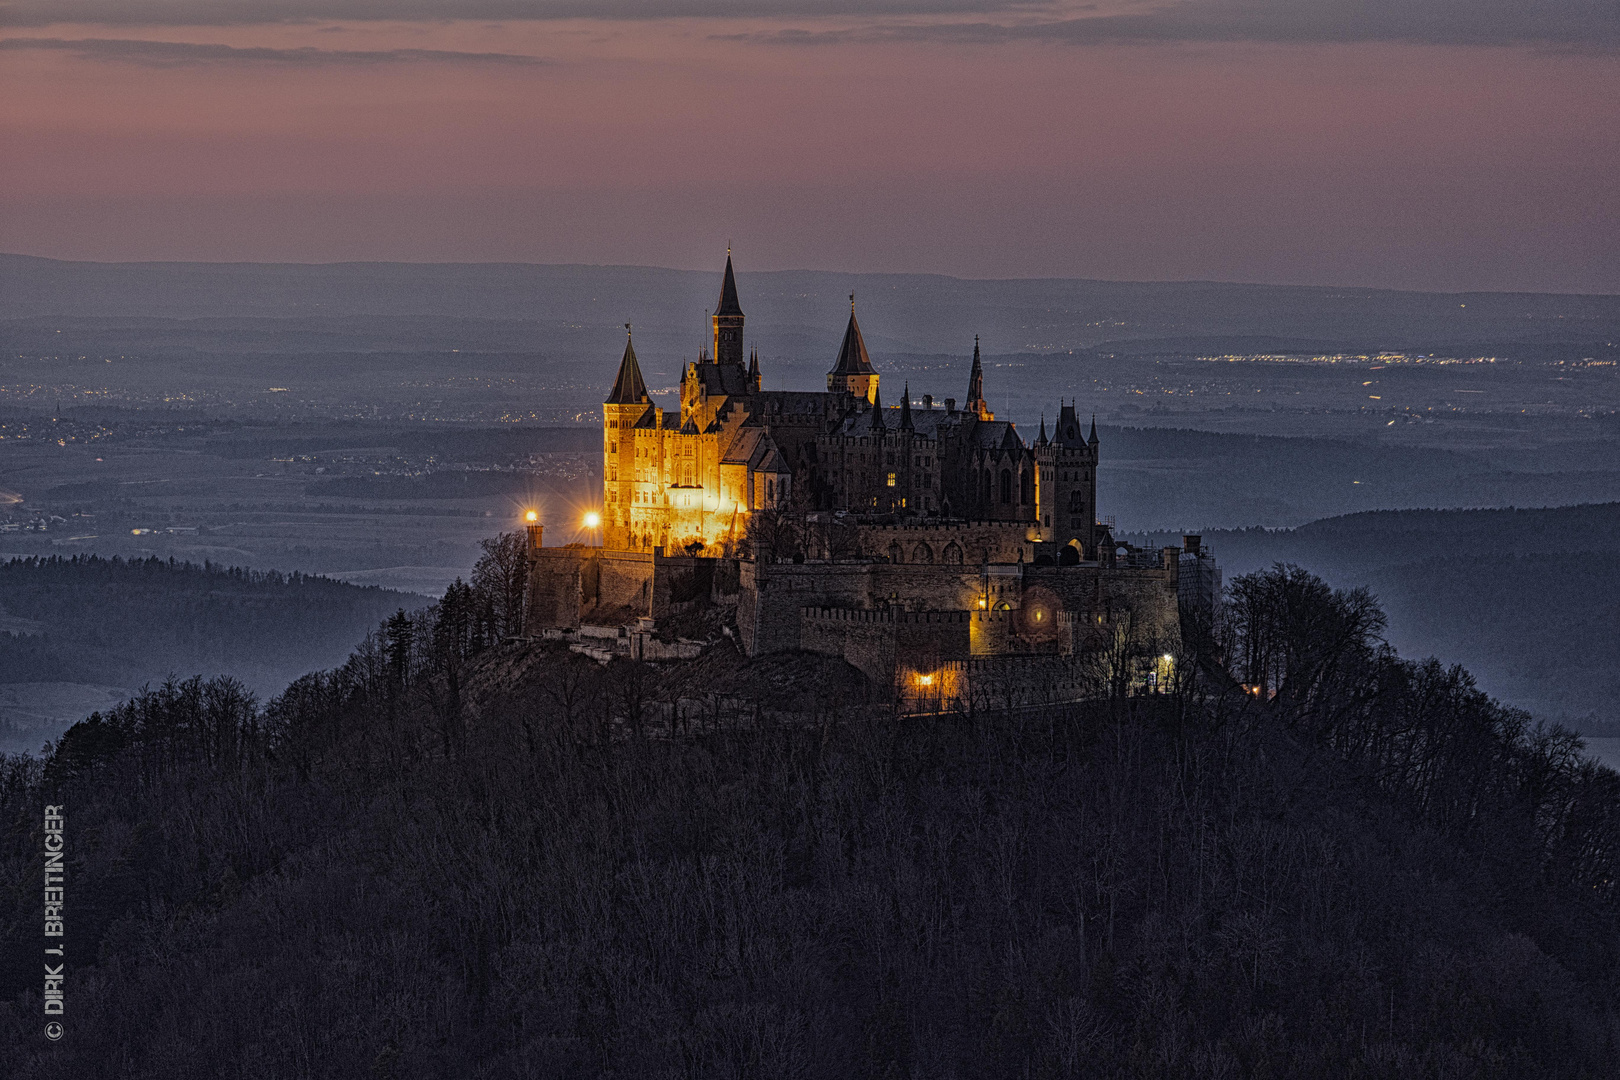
<point x="728" y="321"/>
<point x="626" y="404"/>
<point x="1066" y="494"/>
<point x="975" y="398"/>
<point x="853" y="373"/>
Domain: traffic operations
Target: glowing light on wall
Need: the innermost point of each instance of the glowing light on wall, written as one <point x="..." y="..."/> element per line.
<point x="531" y="517"/>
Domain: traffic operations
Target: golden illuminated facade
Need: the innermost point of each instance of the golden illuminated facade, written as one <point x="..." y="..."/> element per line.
<point x="689" y="481"/>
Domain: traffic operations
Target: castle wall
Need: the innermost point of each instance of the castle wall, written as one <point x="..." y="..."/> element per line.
<point x="555" y="587"/>
<point x="894" y="649"/>
<point x="772" y="594"/>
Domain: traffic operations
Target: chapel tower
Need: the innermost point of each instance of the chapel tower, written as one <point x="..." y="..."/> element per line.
<point x="728" y="321"/>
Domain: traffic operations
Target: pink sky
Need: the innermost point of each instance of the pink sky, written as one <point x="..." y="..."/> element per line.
<point x="1369" y="162"/>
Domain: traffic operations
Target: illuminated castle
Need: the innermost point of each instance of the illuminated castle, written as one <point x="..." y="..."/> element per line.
<point x="906" y="538"/>
<point x="690" y="481"/>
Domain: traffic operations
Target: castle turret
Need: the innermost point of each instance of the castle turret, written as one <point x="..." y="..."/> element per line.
<point x="626" y="404"/>
<point x="1066" y="471"/>
<point x="728" y="321"/>
<point x="853" y="373"/>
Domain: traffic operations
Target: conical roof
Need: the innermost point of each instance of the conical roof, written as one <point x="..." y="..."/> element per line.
<point x="976" y="378"/>
<point x="728" y="292"/>
<point x="852" y="356"/>
<point x="877" y="410"/>
<point x="628" y="388"/>
<point x="905" y="410"/>
<point x="1092" y="440"/>
<point x="1041" y="439"/>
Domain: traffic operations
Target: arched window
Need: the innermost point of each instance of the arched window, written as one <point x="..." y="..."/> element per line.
<point x="922" y="553"/>
<point x="1006" y="485"/>
<point x="1027" y="491"/>
<point x="1070" y="555"/>
<point x="953" y="554"/>
<point x="894" y="553"/>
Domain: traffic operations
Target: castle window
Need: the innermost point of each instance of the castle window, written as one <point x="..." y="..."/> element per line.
<point x="1006" y="486"/>
<point x="891" y="479"/>
<point x="894" y="553"/>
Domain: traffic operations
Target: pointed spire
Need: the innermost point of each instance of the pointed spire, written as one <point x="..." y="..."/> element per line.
<point x="877" y="410"/>
<point x="975" y="399"/>
<point x="1041" y="439"/>
<point x="753" y="369"/>
<point x="852" y="355"/>
<point x="728" y="291"/>
<point x="905" y="411"/>
<point x="1092" y="439"/>
<point x="628" y="388"/>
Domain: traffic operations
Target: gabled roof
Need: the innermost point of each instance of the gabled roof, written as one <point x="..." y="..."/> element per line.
<point x="994" y="435"/>
<point x="728" y="304"/>
<point x="852" y="356"/>
<point x="727" y="379"/>
<point x="927" y="423"/>
<point x="628" y="388"/>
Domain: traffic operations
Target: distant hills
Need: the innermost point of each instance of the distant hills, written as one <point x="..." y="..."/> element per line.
<point x="110" y="623"/>
<point x="1526" y="599"/>
<point x="803" y="310"/>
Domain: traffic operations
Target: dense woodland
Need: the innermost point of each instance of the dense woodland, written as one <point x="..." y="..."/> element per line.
<point x="128" y="622"/>
<point x="456" y="856"/>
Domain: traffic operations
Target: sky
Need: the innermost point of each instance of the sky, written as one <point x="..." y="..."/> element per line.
<point x="1425" y="144"/>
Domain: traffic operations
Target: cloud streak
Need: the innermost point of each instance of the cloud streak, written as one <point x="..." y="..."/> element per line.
<point x="258" y="12"/>
<point x="171" y="54"/>
<point x="1592" y="24"/>
<point x="1574" y="23"/>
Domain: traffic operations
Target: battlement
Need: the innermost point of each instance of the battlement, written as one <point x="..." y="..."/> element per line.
<point x="885" y="616"/>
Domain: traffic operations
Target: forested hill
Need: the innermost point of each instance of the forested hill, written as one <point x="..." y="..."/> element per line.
<point x="453" y="858"/>
<point x="88" y="619"/>
<point x="1383" y="537"/>
<point x="1525" y="598"/>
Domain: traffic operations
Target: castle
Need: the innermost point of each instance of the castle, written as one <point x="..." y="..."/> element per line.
<point x="928" y="545"/>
